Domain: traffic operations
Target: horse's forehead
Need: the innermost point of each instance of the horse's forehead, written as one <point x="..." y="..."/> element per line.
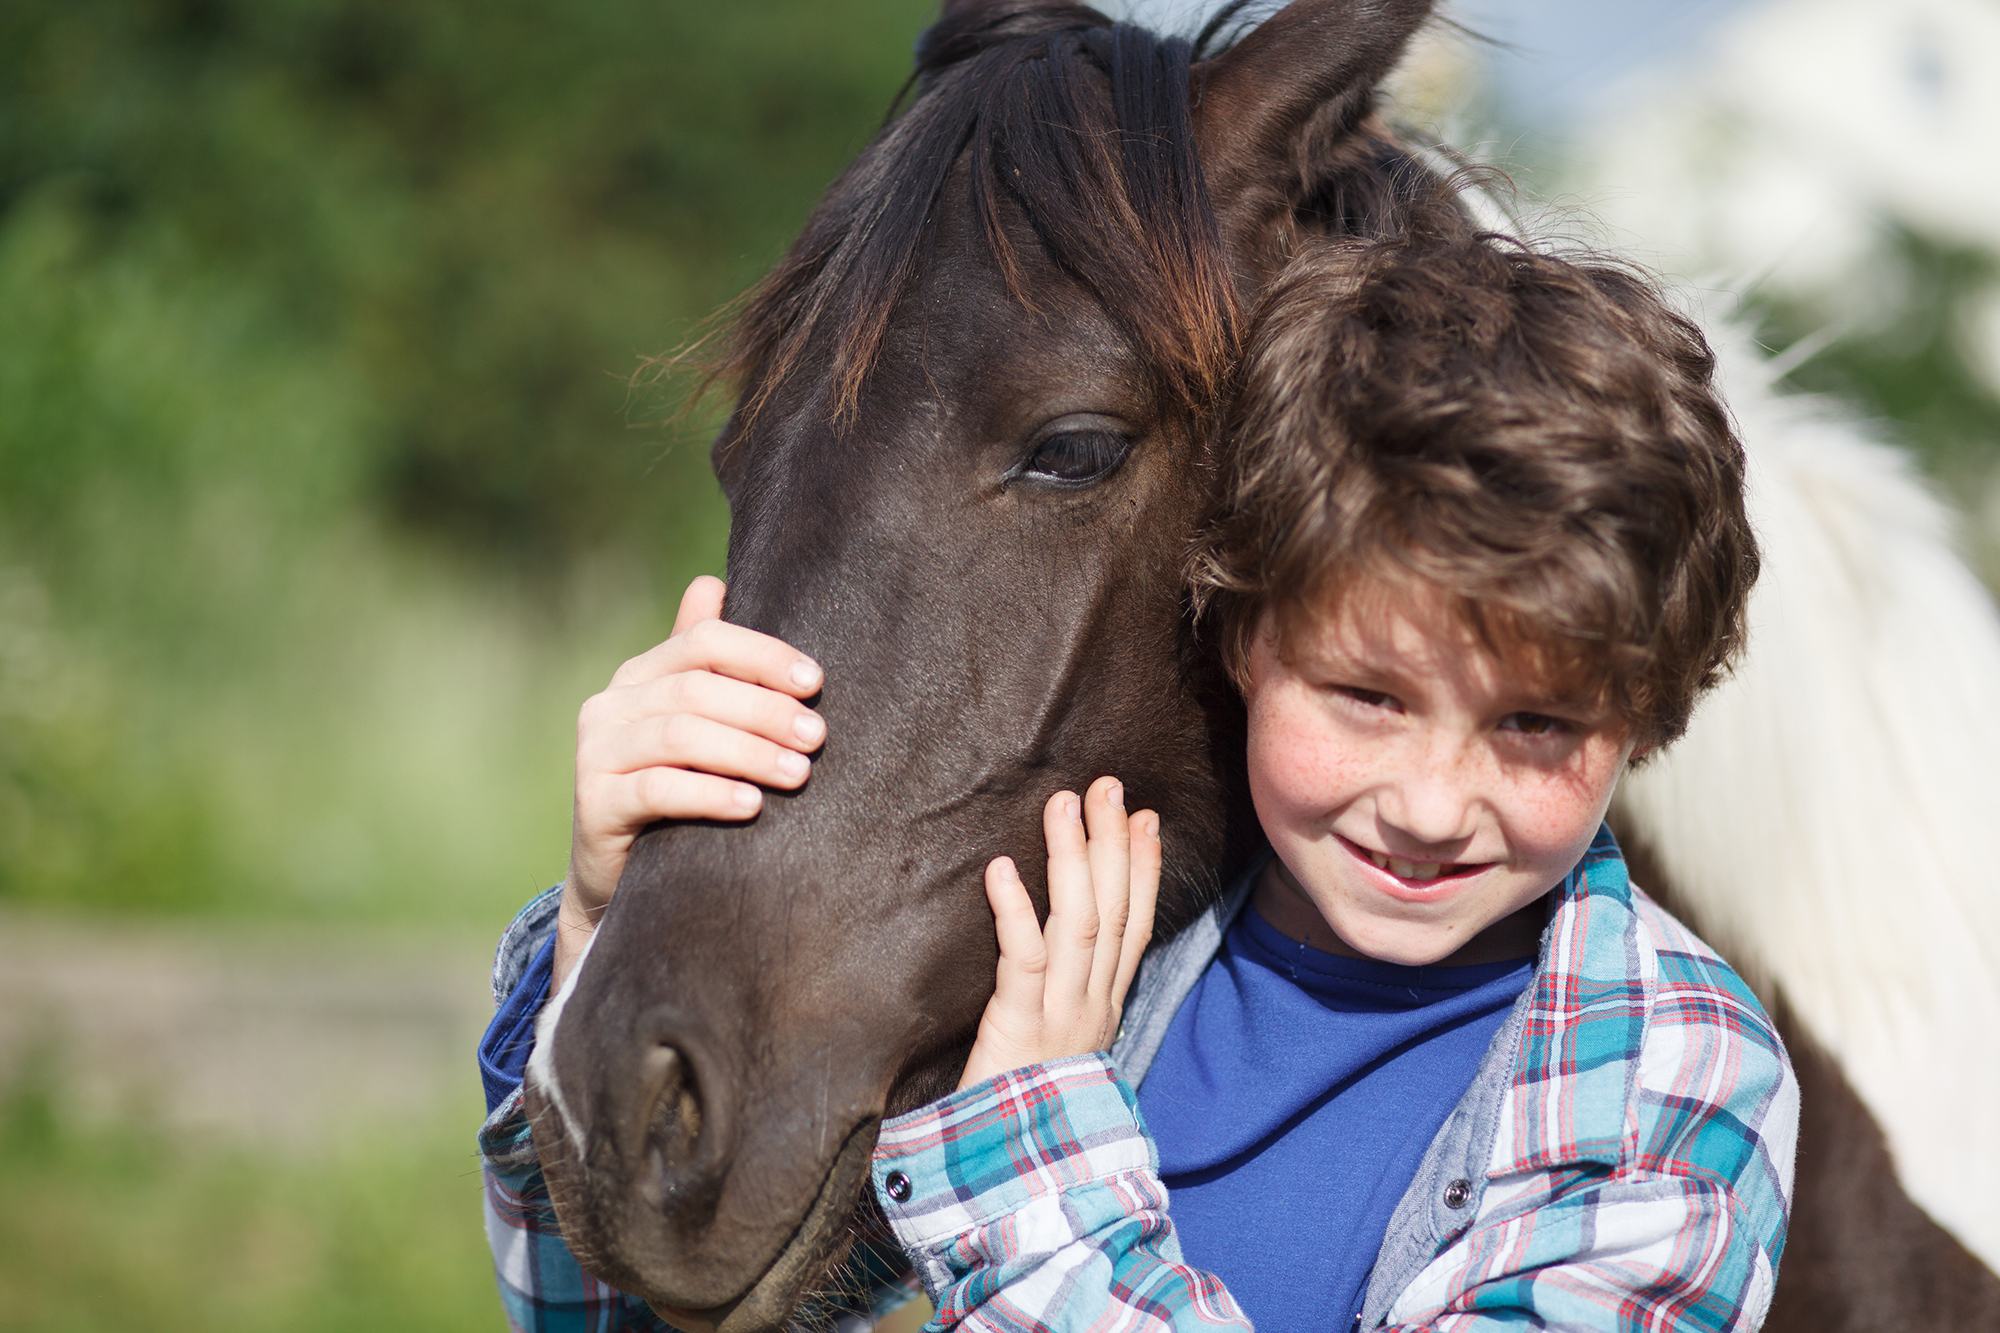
<point x="976" y="327"/>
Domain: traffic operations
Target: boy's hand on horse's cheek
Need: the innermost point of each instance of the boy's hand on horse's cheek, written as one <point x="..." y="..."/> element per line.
<point x="693" y="728"/>
<point x="1059" y="989"/>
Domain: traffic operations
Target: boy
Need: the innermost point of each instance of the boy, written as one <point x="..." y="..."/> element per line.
<point x="1482" y="543"/>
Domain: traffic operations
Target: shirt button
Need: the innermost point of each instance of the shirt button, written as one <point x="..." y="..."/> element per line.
<point x="1457" y="1194"/>
<point x="898" y="1186"/>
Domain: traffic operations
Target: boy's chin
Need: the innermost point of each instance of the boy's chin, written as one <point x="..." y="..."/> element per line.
<point x="1354" y="908"/>
<point x="1508" y="931"/>
<point x="1407" y="950"/>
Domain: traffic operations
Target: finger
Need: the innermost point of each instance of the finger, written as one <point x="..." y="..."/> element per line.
<point x="1010" y="1031"/>
<point x="1071" y="936"/>
<point x="1110" y="855"/>
<point x="1145" y="899"/>
<point x="729" y="650"/>
<point x="776" y="717"/>
<point x="702" y="601"/>
<point x="1023" y="959"/>
<point x="627" y="802"/>
<point x="683" y="740"/>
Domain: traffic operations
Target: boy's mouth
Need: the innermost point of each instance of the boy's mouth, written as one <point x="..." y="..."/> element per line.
<point x="1417" y="872"/>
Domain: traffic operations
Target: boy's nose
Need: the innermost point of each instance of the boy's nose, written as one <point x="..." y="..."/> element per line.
<point x="1432" y="806"/>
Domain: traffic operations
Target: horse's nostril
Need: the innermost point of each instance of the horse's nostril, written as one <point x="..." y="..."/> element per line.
<point x="674" y="1127"/>
<point x="676" y="1122"/>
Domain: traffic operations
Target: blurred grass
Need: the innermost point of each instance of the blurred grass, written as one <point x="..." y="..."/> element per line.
<point x="323" y="495"/>
<point x="116" y="1229"/>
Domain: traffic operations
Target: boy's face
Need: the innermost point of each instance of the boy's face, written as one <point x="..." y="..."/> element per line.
<point x="1416" y="789"/>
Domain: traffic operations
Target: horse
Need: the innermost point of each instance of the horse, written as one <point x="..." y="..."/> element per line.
<point x="977" y="424"/>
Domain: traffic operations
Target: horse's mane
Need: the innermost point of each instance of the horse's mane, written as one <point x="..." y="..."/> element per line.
<point x="1111" y="185"/>
<point x="1086" y="126"/>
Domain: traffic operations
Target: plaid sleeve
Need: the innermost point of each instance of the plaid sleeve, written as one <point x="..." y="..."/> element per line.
<point x="542" y="1287"/>
<point x="1034" y="1202"/>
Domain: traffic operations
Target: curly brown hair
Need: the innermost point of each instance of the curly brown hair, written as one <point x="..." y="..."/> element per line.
<point x="1534" y="437"/>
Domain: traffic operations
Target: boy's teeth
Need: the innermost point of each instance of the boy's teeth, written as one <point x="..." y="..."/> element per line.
<point x="1395" y="865"/>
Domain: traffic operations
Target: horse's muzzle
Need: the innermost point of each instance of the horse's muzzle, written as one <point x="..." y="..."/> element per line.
<point x="667" y="1189"/>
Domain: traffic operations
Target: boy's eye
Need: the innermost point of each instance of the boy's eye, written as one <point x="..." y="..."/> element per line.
<point x="1535" y="724"/>
<point x="1372" y="698"/>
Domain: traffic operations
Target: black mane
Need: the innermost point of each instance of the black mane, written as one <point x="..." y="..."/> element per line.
<point x="1085" y="126"/>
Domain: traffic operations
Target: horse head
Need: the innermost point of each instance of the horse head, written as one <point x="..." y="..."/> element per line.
<point x="979" y="401"/>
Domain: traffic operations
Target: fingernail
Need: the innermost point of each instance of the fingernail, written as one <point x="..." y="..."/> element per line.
<point x="809" y="727"/>
<point x="794" y="765"/>
<point x="805" y="673"/>
<point x="1115" y="794"/>
<point x="1075" y="804"/>
<point x="748" y="798"/>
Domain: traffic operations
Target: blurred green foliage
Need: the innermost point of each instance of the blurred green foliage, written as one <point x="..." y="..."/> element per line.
<point x="1904" y="353"/>
<point x="324" y="497"/>
<point x="1909" y="362"/>
<point x="480" y="212"/>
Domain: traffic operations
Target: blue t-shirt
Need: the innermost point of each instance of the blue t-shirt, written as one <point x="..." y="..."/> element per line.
<point x="1294" y="1096"/>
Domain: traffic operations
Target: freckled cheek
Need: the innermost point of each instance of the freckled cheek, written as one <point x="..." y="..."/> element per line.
<point x="1557" y="814"/>
<point x="1298" y="765"/>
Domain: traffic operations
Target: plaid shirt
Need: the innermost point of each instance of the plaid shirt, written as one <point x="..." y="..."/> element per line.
<point x="542" y="1288"/>
<point x="1623" y="1160"/>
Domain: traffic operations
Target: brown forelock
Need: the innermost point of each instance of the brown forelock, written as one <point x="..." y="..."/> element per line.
<point x="1085" y="127"/>
<point x="1535" y="437"/>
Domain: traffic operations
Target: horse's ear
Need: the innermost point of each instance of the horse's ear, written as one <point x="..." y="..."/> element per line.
<point x="1272" y="109"/>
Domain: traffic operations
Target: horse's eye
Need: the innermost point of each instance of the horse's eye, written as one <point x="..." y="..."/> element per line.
<point x="1077" y="456"/>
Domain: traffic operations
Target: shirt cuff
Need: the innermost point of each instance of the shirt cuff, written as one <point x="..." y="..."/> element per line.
<point x="524" y="937"/>
<point x="510" y="1037"/>
<point x="982" y="1153"/>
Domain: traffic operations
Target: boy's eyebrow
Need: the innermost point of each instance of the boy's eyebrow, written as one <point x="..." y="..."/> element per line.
<point x="1583" y="708"/>
<point x="1589" y="702"/>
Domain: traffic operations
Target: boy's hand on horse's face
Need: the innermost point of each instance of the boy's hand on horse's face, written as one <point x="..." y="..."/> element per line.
<point x="1060" y="989"/>
<point x="687" y="730"/>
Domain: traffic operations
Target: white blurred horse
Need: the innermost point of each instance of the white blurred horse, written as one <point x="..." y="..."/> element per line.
<point x="1831" y="820"/>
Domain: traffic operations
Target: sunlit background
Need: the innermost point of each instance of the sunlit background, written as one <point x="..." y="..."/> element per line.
<point x="327" y="493"/>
